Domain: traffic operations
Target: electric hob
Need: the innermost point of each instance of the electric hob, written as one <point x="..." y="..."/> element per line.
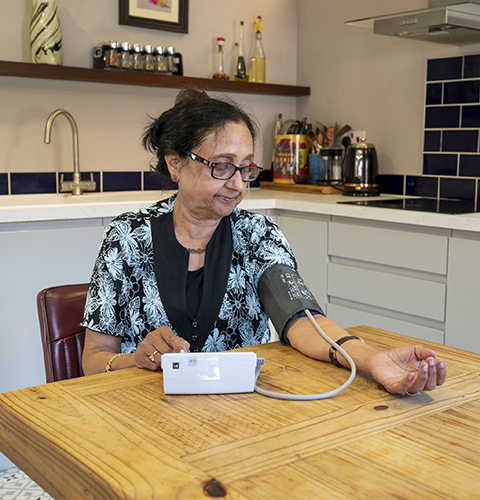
<point x="442" y="206"/>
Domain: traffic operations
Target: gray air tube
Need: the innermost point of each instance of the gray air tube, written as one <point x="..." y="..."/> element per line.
<point x="283" y="294"/>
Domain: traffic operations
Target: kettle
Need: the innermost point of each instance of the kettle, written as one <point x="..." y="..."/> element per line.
<point x="360" y="170"/>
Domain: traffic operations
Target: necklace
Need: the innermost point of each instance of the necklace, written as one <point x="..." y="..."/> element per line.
<point x="196" y="250"/>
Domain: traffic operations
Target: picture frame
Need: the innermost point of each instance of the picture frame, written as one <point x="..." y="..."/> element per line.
<point x="166" y="15"/>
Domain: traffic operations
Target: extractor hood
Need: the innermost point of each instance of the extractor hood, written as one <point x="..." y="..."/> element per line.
<point x="441" y="22"/>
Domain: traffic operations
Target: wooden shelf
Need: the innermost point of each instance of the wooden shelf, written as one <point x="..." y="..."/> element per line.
<point x="30" y="70"/>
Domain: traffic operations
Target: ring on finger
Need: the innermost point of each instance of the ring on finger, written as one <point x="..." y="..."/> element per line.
<point x="152" y="357"/>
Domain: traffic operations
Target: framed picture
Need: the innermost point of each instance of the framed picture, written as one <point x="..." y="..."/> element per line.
<point x="166" y="15"/>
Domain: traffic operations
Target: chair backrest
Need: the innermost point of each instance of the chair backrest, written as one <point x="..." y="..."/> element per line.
<point x="60" y="310"/>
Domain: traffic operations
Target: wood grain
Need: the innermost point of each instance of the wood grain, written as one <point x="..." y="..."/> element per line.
<point x="301" y="188"/>
<point x="117" y="435"/>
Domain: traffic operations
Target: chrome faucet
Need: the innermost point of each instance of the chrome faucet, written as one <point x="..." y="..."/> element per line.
<point x="77" y="186"/>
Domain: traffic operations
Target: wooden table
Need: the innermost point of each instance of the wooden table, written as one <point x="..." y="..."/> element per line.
<point x="117" y="435"/>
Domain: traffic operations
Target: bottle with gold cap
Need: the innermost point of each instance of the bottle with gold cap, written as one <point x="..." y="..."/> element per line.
<point x="257" y="74"/>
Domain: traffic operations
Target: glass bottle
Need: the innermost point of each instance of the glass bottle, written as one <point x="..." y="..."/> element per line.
<point x="161" y="60"/>
<point x="149" y="58"/>
<point x="113" y="55"/>
<point x="171" y="66"/>
<point x="138" y="61"/>
<point x="257" y="74"/>
<point x="241" y="68"/>
<point x="125" y="57"/>
<point x="220" y="71"/>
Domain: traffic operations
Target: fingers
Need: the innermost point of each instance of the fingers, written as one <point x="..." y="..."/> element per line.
<point x="431" y="373"/>
<point x="160" y="341"/>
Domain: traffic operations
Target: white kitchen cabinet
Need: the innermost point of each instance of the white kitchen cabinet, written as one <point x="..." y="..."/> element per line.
<point x="307" y="235"/>
<point x="389" y="276"/>
<point x="462" y="328"/>
<point x="35" y="256"/>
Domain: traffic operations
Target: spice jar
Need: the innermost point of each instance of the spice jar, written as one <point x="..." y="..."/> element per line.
<point x="160" y="60"/>
<point x="113" y="55"/>
<point x="149" y="58"/>
<point x="171" y="66"/>
<point x="125" y="56"/>
<point x="138" y="62"/>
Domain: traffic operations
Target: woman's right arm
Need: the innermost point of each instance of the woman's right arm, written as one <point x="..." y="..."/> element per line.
<point x="100" y="349"/>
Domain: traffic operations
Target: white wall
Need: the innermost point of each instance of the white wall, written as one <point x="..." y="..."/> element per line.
<point x="111" y="118"/>
<point x="372" y="82"/>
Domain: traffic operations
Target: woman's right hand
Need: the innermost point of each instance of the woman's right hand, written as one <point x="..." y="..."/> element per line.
<point x="161" y="341"/>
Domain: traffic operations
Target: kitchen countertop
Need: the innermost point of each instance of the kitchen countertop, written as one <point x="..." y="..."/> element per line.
<point x="49" y="207"/>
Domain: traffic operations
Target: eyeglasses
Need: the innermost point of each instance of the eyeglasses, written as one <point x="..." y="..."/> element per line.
<point x="225" y="171"/>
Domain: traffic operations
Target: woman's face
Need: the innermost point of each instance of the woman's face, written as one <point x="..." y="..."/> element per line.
<point x="198" y="192"/>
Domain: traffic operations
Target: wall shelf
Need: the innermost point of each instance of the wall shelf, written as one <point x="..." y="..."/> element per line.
<point x="45" y="71"/>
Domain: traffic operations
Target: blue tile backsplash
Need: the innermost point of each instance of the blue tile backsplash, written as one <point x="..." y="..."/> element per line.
<point x="449" y="68"/>
<point x="33" y="183"/>
<point x="451" y="140"/>
<point x="122" y="181"/>
<point x="3" y="183"/>
<point x="452" y="80"/>
<point x="49" y="182"/>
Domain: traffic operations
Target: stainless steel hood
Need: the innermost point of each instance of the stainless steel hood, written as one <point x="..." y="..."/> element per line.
<point x="454" y="23"/>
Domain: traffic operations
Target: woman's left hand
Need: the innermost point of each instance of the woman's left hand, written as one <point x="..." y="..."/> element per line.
<point x="409" y="369"/>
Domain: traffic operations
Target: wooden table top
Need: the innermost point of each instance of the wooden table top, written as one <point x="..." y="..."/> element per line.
<point x="116" y="435"/>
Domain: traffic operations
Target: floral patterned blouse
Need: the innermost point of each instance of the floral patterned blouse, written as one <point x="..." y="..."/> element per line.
<point x="140" y="277"/>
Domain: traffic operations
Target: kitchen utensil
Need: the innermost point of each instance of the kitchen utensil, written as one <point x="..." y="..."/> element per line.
<point x="361" y="170"/>
<point x="341" y="131"/>
<point x="313" y="142"/>
<point x="333" y="132"/>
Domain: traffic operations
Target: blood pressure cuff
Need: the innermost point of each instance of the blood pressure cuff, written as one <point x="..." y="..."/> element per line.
<point x="285" y="296"/>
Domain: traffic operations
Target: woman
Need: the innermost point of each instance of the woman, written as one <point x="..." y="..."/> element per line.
<point x="192" y="272"/>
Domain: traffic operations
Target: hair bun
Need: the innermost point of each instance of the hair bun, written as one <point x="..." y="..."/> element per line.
<point x="190" y="94"/>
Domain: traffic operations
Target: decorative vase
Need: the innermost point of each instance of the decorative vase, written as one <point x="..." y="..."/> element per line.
<point x="46" y="33"/>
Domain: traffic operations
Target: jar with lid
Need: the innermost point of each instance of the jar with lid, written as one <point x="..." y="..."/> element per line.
<point x="220" y="71"/>
<point x="113" y="55"/>
<point x="138" y="62"/>
<point x="171" y="66"/>
<point x="125" y="56"/>
<point x="149" y="58"/>
<point x="160" y="60"/>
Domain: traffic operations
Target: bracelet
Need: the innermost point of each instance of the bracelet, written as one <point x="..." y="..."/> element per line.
<point x="112" y="359"/>
<point x="332" y="353"/>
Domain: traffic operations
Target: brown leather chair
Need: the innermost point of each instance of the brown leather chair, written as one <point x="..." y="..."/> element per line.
<point x="60" y="310"/>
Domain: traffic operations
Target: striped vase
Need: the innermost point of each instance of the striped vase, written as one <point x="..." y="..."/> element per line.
<point x="46" y="33"/>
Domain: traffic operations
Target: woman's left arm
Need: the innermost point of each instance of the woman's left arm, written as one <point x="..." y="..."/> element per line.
<point x="405" y="369"/>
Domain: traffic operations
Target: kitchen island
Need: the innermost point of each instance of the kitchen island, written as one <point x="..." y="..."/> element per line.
<point x="412" y="272"/>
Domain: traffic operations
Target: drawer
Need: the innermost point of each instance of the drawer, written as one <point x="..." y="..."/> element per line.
<point x="393" y="247"/>
<point x="404" y="294"/>
<point x="347" y="317"/>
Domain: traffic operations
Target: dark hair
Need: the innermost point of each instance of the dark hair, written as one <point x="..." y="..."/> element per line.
<point x="185" y="126"/>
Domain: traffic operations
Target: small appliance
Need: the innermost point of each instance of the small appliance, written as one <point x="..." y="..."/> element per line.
<point x="360" y="170"/>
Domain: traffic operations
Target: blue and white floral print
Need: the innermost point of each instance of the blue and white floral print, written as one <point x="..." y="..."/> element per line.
<point x="123" y="298"/>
